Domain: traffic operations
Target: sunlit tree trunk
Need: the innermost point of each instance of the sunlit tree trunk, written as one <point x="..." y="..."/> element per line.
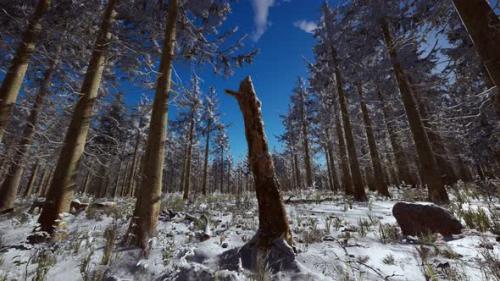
<point x="483" y="26"/>
<point x="145" y="219"/>
<point x="19" y="65"/>
<point x="378" y="174"/>
<point x="273" y="221"/>
<point x="429" y="170"/>
<point x="10" y="185"/>
<point x="62" y="186"/>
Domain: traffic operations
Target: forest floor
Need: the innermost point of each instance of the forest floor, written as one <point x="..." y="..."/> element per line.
<point x="336" y="239"/>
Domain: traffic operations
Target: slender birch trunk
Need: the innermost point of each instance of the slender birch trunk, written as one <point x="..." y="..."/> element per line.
<point x="62" y="186"/>
<point x="147" y="209"/>
<point x="19" y="65"/>
<point x="428" y="166"/>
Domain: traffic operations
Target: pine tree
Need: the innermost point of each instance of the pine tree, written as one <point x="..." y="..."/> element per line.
<point x="15" y="75"/>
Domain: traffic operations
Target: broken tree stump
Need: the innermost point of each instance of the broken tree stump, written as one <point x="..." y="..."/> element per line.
<point x="273" y="237"/>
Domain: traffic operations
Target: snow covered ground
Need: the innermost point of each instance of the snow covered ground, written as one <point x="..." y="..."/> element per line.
<point x="336" y="239"/>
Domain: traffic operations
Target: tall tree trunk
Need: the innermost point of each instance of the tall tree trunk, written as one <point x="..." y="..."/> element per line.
<point x="205" y="161"/>
<point x="441" y="153"/>
<point x="86" y="183"/>
<point x="378" y="174"/>
<point x="187" y="182"/>
<point x="147" y="208"/>
<point x="329" y="170"/>
<point x="273" y="222"/>
<point x="483" y="26"/>
<point x="222" y="170"/>
<point x="336" y="184"/>
<point x="135" y="161"/>
<point x="31" y="182"/>
<point x="10" y="185"/>
<point x="15" y="75"/>
<point x="357" y="180"/>
<point x="305" y="135"/>
<point x="346" y="173"/>
<point x="62" y="187"/>
<point x="298" y="178"/>
<point x="403" y="167"/>
<point x="428" y="168"/>
<point x="41" y="185"/>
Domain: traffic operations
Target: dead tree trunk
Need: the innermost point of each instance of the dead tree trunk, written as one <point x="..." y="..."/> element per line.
<point x="378" y="174"/>
<point x="10" y="185"/>
<point x="428" y="167"/>
<point x="15" y="75"/>
<point x="483" y="26"/>
<point x="274" y="233"/>
<point x="62" y="186"/>
<point x="147" y="208"/>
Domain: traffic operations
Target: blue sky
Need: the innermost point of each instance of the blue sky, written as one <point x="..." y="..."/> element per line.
<point x="278" y="29"/>
<point x="281" y="30"/>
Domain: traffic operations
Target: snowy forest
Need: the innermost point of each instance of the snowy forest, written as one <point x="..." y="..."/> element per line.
<point x="386" y="166"/>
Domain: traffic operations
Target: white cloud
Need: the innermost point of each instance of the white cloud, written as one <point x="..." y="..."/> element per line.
<point x="261" y="10"/>
<point x="306" y="26"/>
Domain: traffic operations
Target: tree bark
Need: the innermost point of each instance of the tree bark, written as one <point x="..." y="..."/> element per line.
<point x="62" y="186"/>
<point x="15" y="75"/>
<point x="378" y="174"/>
<point x="10" y="185"/>
<point x="145" y="219"/>
<point x="428" y="167"/>
<point x="357" y="180"/>
<point x="273" y="221"/>
<point x="483" y="26"/>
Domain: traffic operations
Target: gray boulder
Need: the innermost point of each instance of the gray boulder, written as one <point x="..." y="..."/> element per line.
<point x="418" y="219"/>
